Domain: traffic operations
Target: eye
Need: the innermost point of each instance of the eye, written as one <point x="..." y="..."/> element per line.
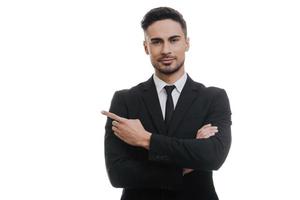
<point x="156" y="42"/>
<point x="173" y="40"/>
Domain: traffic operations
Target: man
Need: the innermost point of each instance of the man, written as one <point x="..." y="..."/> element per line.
<point x="165" y="136"/>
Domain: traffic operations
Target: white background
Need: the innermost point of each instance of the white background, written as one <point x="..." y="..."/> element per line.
<point x="61" y="62"/>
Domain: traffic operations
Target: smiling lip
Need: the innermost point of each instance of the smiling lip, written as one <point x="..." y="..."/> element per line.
<point x="167" y="60"/>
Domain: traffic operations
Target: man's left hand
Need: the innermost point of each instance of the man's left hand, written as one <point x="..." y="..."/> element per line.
<point x="130" y="131"/>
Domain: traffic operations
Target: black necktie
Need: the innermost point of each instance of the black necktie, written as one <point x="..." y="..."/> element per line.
<point x="169" y="104"/>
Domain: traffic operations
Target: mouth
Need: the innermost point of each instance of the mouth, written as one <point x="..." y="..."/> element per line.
<point x="167" y="61"/>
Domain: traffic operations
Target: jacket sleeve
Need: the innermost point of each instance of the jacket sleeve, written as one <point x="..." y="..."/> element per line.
<point x="124" y="169"/>
<point x="203" y="154"/>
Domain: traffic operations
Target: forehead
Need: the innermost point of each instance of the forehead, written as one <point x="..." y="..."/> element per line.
<point x="164" y="29"/>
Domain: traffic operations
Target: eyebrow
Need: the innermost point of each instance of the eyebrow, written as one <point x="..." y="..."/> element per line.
<point x="172" y="37"/>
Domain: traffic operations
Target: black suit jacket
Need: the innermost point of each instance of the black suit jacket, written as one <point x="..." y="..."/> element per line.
<point x="157" y="173"/>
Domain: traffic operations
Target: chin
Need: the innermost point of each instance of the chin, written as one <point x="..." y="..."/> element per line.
<point x="167" y="69"/>
<point x="168" y="72"/>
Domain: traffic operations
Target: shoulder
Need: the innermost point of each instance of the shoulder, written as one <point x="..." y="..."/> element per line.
<point x="130" y="93"/>
<point x="215" y="97"/>
<point x="215" y="91"/>
<point x="209" y="91"/>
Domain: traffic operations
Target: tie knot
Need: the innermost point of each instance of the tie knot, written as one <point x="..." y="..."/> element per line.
<point x="169" y="89"/>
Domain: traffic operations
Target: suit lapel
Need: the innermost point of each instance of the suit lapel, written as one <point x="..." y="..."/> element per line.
<point x="186" y="99"/>
<point x="151" y="100"/>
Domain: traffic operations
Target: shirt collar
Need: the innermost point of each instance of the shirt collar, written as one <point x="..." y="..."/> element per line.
<point x="160" y="84"/>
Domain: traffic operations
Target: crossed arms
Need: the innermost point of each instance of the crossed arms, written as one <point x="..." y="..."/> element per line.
<point x="168" y="157"/>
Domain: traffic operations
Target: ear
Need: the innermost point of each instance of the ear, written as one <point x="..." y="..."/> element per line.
<point x="146" y="47"/>
<point x="187" y="41"/>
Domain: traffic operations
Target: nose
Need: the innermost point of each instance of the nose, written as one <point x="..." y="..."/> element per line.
<point x="166" y="48"/>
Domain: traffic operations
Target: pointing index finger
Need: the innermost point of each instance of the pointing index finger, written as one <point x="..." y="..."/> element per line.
<point x="113" y="116"/>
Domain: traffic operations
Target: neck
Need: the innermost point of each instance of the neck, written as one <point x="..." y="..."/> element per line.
<point x="170" y="78"/>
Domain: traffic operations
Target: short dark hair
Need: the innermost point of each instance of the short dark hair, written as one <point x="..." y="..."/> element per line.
<point x="162" y="13"/>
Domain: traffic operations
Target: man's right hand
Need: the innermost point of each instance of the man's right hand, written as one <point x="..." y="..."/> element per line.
<point x="204" y="132"/>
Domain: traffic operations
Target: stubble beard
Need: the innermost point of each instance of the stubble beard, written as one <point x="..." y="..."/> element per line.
<point x="167" y="70"/>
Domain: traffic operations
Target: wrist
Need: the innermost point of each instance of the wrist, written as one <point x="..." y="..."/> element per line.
<point x="146" y="140"/>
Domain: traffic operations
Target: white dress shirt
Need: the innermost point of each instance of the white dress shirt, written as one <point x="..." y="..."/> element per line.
<point x="162" y="94"/>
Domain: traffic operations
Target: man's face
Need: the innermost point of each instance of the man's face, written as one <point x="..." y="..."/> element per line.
<point x="166" y="44"/>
